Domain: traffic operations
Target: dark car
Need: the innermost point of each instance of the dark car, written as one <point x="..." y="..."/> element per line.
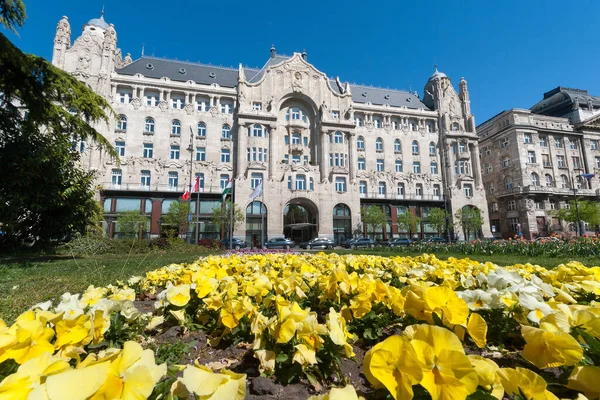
<point x="279" y="243"/>
<point x="318" y="243"/>
<point x="235" y="243"/>
<point x="399" y="242"/>
<point x="434" y="240"/>
<point x="362" y="242"/>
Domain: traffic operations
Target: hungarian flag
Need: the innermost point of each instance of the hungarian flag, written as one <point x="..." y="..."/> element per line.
<point x="227" y="190"/>
<point x="257" y="192"/>
<point x="186" y="195"/>
<point x="197" y="184"/>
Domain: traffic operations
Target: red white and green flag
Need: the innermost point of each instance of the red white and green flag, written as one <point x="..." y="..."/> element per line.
<point x="227" y="191"/>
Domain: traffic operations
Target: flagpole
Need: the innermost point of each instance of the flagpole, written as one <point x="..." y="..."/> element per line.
<point x="197" y="208"/>
<point x="231" y="216"/>
<point x="262" y="215"/>
<point x="188" y="237"/>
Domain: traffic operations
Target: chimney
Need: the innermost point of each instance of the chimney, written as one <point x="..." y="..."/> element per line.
<point x="304" y="55"/>
<point x="273" y="52"/>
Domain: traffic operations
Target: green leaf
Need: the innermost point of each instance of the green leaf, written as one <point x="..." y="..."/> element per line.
<point x="282" y="358"/>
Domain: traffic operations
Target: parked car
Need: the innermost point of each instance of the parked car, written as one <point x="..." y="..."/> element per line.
<point x="399" y="242"/>
<point x="279" y="243"/>
<point x="361" y="242"/>
<point x="435" y="240"/>
<point x="235" y="243"/>
<point x="318" y="243"/>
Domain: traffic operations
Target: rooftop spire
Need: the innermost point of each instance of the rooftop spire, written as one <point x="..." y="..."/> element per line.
<point x="273" y="51"/>
<point x="102" y="12"/>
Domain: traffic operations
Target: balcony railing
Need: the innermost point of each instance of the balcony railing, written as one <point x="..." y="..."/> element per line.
<point x="396" y="196"/>
<point x="531" y="189"/>
<point x="154" y="188"/>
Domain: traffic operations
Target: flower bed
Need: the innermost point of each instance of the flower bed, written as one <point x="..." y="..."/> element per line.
<point x="416" y="327"/>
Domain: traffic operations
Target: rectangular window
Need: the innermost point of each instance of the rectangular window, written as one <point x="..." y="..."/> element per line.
<point x="145" y="181"/>
<point x="286" y="158"/>
<point x="576" y="162"/>
<point x="560" y="161"/>
<point x="512" y="205"/>
<point x="173" y="180"/>
<point x="546" y="160"/>
<point x="305" y="141"/>
<point x="544" y="141"/>
<point x="200" y="181"/>
<point x="335" y="114"/>
<point x="487" y="150"/>
<point x="200" y="153"/>
<point x="434" y="168"/>
<point x="340" y="184"/>
<point x="398" y="165"/>
<point x="504" y="142"/>
<point x="257" y="106"/>
<point x="539" y="205"/>
<point x="289" y="182"/>
<point x="594" y="144"/>
<point x="489" y="168"/>
<point x="573" y="144"/>
<point x="361" y="164"/>
<point x="120" y="148"/>
<point x="300" y="182"/>
<point x="597" y="162"/>
<point x="531" y="157"/>
<point x="286" y="140"/>
<point x="513" y="224"/>
<point x="148" y="150"/>
<point x="380" y="165"/>
<point x="494" y="207"/>
<point x="468" y="190"/>
<point x="436" y="192"/>
<point x="558" y="142"/>
<point x="225" y="155"/>
<point x="223" y="181"/>
<point x="362" y="187"/>
<point x="419" y="190"/>
<point x="505" y="162"/>
<point x="295" y="159"/>
<point x="117" y="178"/>
<point x="255" y="180"/>
<point x="527" y="138"/>
<point x="400" y="189"/>
<point x="174" y="154"/>
<point x="417" y="167"/>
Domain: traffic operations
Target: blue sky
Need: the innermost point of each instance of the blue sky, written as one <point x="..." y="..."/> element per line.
<point x="510" y="52"/>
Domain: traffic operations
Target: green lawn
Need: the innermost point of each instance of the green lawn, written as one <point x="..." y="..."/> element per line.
<point x="27" y="281"/>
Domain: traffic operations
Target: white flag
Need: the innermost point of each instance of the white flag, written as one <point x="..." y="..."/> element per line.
<point x="257" y="192"/>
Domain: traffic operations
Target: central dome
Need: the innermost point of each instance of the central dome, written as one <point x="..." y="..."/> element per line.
<point x="99" y="22"/>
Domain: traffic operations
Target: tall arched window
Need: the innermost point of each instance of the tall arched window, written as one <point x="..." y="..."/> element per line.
<point x="564" y="182"/>
<point x="549" y="182"/>
<point x="360" y="143"/>
<point x="121" y="123"/>
<point x="176" y="127"/>
<point x="379" y="144"/>
<point x="415" y="147"/>
<point x="508" y="182"/>
<point x="535" y="179"/>
<point x="201" y="130"/>
<point x="432" y="149"/>
<point x="226" y="132"/>
<point x="296" y="138"/>
<point x="149" y="125"/>
<point x="257" y="130"/>
<point x="339" y="137"/>
<point x="454" y="126"/>
<point x="342" y="223"/>
<point x="300" y="182"/>
<point x="397" y="146"/>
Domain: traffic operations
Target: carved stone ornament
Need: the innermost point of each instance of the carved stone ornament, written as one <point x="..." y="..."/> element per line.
<point x="297" y="81"/>
<point x="110" y="39"/>
<point x="189" y="108"/>
<point x="127" y="60"/>
<point x="163" y="105"/>
<point x="84" y="60"/>
<point x="136" y="103"/>
<point x="63" y="32"/>
<point x="214" y="111"/>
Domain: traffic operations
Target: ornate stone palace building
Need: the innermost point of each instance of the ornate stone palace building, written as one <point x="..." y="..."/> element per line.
<point x="533" y="160"/>
<point x="324" y="148"/>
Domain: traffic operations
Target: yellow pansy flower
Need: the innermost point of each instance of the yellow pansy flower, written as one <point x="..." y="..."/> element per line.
<point x="304" y="356"/>
<point x="393" y="364"/>
<point x="487" y="372"/>
<point x="32" y="339"/>
<point x="477" y="328"/>
<point x="586" y="379"/>
<point x="179" y="295"/>
<point x="345" y="393"/>
<point x="208" y="385"/>
<point x="519" y="381"/>
<point x="29" y="375"/>
<point x="547" y="349"/>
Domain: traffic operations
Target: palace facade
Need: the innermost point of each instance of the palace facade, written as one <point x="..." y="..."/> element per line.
<point x="323" y="148"/>
<point x="537" y="161"/>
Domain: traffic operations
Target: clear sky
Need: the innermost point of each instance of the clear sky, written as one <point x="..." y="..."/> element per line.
<point x="510" y="52"/>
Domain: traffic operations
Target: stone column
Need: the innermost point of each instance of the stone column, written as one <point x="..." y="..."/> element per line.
<point x="114" y="93"/>
<point x="451" y="159"/>
<point x="352" y="156"/>
<point x="272" y="152"/>
<point x="324" y="155"/>
<point x="476" y="166"/>
<point x="242" y="144"/>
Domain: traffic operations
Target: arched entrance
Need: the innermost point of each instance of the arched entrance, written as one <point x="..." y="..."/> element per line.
<point x="342" y="223"/>
<point x="256" y="223"/>
<point x="300" y="220"/>
<point x="470" y="220"/>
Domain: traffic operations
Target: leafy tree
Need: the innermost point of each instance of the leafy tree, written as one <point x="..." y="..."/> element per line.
<point x="437" y="218"/>
<point x="470" y="219"/>
<point x="374" y="218"/>
<point x="408" y="222"/>
<point x="130" y="223"/>
<point x="44" y="193"/>
<point x="221" y="215"/>
<point x="174" y="221"/>
<point x="589" y="211"/>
